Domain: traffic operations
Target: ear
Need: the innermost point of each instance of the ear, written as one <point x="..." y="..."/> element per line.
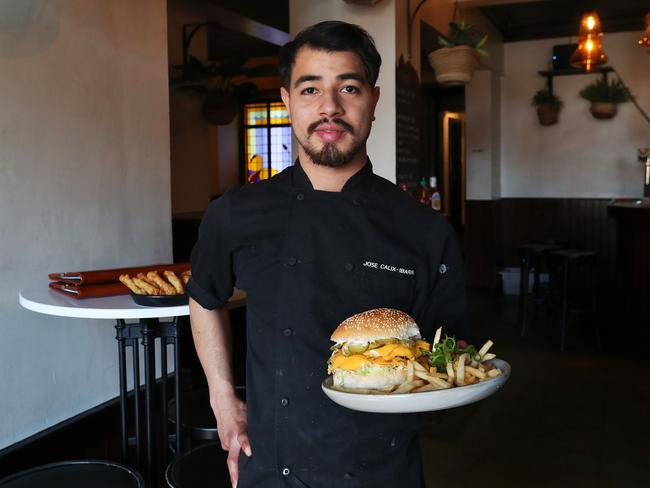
<point x="284" y="94"/>
<point x="375" y="95"/>
<point x="375" y="99"/>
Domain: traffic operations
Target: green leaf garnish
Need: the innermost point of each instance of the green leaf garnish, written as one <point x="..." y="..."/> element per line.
<point x="446" y="351"/>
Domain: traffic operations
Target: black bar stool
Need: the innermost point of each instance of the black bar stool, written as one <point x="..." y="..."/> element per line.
<point x="76" y="474"/>
<point x="531" y="257"/>
<point x="573" y="287"/>
<point x="201" y="467"/>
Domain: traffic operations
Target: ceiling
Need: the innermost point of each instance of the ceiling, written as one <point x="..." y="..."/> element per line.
<point x="239" y="29"/>
<point x="517" y="20"/>
<point x="274" y="13"/>
<point x="544" y="19"/>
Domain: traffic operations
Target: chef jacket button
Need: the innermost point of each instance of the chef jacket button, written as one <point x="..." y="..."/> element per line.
<point x="300" y="197"/>
<point x="287" y="332"/>
<point x="356" y="202"/>
<point x="347" y="476"/>
<point x="284" y="402"/>
<point x="349" y="266"/>
<point x="442" y="269"/>
<point x="292" y="261"/>
<point x="286" y="471"/>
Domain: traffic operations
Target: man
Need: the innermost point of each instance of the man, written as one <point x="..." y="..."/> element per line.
<point x="308" y="247"/>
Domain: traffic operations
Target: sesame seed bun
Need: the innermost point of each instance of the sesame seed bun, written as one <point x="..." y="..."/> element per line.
<point x="379" y="323"/>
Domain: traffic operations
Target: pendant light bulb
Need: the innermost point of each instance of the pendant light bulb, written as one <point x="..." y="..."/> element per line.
<point x="645" y="38"/>
<point x="590" y="46"/>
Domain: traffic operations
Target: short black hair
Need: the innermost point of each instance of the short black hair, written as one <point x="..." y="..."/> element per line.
<point x="332" y="36"/>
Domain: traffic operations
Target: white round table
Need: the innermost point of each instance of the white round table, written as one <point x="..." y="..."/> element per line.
<point x="120" y="308"/>
<point x="45" y="300"/>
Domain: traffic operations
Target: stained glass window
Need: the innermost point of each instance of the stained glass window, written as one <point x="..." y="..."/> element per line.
<point x="267" y="136"/>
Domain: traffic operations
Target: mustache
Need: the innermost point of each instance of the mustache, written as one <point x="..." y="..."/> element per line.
<point x="342" y="123"/>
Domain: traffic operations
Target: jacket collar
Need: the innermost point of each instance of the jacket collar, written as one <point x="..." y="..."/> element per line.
<point x="355" y="182"/>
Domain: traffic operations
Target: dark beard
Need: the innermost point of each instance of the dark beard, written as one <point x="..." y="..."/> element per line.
<point x="329" y="155"/>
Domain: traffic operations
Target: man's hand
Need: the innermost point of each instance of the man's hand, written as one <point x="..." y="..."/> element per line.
<point x="232" y="426"/>
<point x="212" y="339"/>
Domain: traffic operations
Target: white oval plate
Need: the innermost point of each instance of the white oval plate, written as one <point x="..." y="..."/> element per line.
<point x="419" y="402"/>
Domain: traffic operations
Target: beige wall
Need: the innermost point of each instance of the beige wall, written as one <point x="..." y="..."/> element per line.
<point x="580" y="157"/>
<point x="483" y="132"/>
<point x="84" y="183"/>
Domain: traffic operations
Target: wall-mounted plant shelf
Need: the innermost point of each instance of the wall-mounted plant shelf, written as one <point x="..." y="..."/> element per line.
<point x="549" y="75"/>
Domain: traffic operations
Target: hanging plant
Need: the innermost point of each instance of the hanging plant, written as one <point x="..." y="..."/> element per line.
<point x="223" y="86"/>
<point x="605" y="97"/>
<point x="548" y="107"/>
<point x="457" y="59"/>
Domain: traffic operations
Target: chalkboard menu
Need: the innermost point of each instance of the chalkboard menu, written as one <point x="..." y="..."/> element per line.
<point x="409" y="124"/>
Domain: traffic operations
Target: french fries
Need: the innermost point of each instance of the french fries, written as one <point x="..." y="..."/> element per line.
<point x="152" y="283"/>
<point x="460" y="369"/>
<point x="464" y="369"/>
<point x="459" y="373"/>
<point x="409" y="386"/>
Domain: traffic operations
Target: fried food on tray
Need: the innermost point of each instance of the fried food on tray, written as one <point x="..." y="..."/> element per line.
<point x="152" y="283"/>
<point x="381" y="352"/>
<point x="185" y="276"/>
<point x="126" y="279"/>
<point x="162" y="284"/>
<point x="146" y="286"/>
<point x="176" y="283"/>
<point x="143" y="277"/>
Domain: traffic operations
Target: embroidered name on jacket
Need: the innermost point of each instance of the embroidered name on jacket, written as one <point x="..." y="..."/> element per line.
<point x="388" y="267"/>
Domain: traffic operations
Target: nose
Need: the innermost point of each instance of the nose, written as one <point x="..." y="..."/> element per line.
<point x="331" y="104"/>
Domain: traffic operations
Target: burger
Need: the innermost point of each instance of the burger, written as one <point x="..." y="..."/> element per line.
<point x="372" y="349"/>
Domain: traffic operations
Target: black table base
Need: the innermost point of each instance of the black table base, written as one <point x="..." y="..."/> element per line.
<point x="146" y="331"/>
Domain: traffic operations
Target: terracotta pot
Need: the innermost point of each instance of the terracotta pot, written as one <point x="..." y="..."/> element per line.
<point x="603" y="110"/>
<point x="548" y="114"/>
<point x="220" y="108"/>
<point x="454" y="65"/>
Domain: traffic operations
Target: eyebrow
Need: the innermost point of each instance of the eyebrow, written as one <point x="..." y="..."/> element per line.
<point x="343" y="76"/>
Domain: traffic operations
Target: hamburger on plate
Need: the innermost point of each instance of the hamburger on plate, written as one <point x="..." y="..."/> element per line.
<point x="373" y="348"/>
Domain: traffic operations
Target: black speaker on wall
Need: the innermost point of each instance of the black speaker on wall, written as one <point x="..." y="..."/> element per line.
<point x="562" y="54"/>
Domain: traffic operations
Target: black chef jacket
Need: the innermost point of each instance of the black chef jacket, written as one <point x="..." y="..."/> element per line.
<point x="308" y="259"/>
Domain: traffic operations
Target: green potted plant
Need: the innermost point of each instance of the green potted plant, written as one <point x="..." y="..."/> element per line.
<point x="548" y="106"/>
<point x="457" y="59"/>
<point x="605" y="97"/>
<point x="223" y="86"/>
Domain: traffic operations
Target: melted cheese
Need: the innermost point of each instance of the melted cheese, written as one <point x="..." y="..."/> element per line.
<point x="395" y="350"/>
<point x="349" y="363"/>
<point x="388" y="354"/>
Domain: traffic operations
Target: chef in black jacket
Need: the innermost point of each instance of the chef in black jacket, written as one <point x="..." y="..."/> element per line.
<point x="322" y="240"/>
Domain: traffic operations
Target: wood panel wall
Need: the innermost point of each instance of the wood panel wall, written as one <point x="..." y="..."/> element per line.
<point x="494" y="230"/>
